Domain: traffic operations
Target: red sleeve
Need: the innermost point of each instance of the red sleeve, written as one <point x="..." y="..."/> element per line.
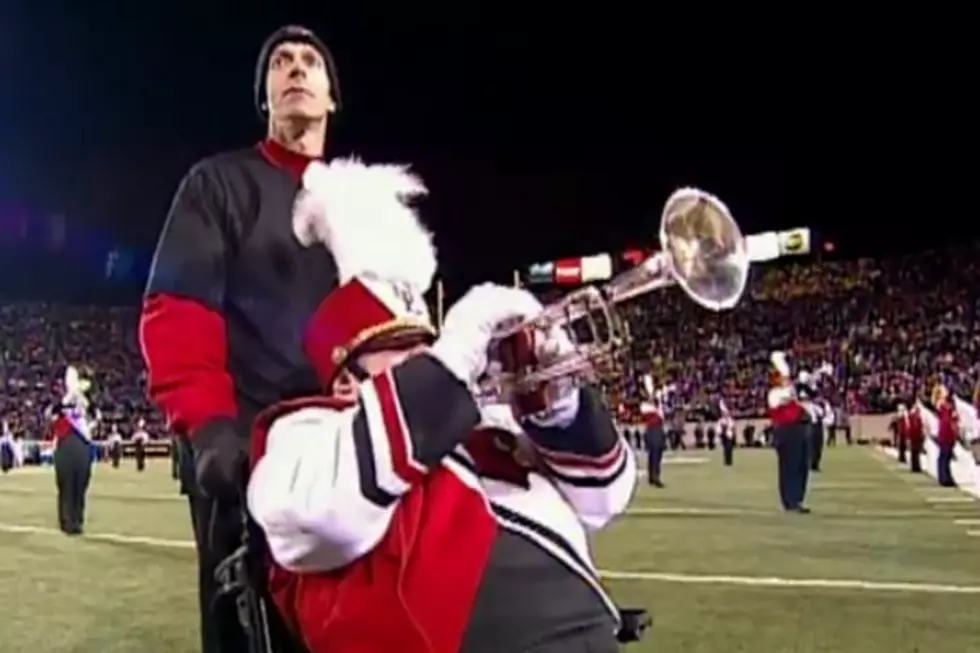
<point x="182" y="328"/>
<point x="184" y="345"/>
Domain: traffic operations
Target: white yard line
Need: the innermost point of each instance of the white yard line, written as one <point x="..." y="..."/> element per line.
<point x="116" y="538"/>
<point x="758" y="581"/>
<point x="772" y="581"/>
<point x="967" y="522"/>
<point x="950" y="499"/>
<point x="973" y="533"/>
<point x="649" y="511"/>
<point x="28" y="491"/>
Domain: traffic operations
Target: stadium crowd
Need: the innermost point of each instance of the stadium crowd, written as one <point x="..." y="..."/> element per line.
<point x="886" y="328"/>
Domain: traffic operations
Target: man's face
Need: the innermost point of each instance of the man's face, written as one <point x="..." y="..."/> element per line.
<point x="297" y="84"/>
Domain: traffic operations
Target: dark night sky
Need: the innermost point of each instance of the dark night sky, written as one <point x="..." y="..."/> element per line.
<point x="539" y="136"/>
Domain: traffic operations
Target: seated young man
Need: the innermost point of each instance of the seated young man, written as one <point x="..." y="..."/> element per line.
<point x="399" y="515"/>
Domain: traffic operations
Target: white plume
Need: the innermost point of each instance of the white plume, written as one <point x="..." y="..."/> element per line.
<point x="72" y="380"/>
<point x="362" y="214"/>
<point x="778" y="360"/>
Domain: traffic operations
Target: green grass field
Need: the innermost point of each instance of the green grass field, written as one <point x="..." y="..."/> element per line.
<point x="886" y="563"/>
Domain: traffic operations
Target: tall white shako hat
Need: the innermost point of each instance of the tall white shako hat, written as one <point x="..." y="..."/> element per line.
<point x="779" y="372"/>
<point x="385" y="261"/>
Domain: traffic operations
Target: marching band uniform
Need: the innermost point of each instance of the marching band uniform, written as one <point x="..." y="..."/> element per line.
<point x="828" y="421"/>
<point x="174" y="459"/>
<point x="654" y="438"/>
<point x="8" y="456"/>
<point x="790" y="430"/>
<point x="393" y="523"/>
<point x="72" y="454"/>
<point x="911" y="432"/>
<point x="726" y="430"/>
<point x="948" y="435"/>
<point x="140" y="438"/>
<point x="115" y="447"/>
<point x="807" y="394"/>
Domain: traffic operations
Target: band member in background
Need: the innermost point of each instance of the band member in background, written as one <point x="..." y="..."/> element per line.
<point x="898" y="437"/>
<point x="8" y="457"/>
<point x="228" y="286"/>
<point x="948" y="435"/>
<point x="726" y="429"/>
<point x="699" y="432"/>
<point x="677" y="427"/>
<point x="912" y="432"/>
<point x="842" y="422"/>
<point x="174" y="459"/>
<point x="426" y="532"/>
<point x="655" y="439"/>
<point x="827" y="423"/>
<point x="790" y="432"/>
<point x="806" y="392"/>
<point x="140" y="439"/>
<point x="115" y="446"/>
<point x="71" y="431"/>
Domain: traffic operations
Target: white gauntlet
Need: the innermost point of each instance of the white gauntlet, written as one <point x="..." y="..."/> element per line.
<point x="470" y="324"/>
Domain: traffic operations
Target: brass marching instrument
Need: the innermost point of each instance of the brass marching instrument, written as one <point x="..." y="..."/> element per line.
<point x="702" y="250"/>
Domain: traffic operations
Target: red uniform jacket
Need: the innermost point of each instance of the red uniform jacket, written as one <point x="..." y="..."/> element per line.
<point x="389" y="519"/>
<point x="910" y="426"/>
<point x="949" y="424"/>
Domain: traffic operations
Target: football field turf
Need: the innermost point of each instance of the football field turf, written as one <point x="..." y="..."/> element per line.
<point x="886" y="563"/>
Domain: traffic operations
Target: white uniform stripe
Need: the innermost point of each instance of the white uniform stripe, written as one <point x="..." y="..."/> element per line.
<point x="406" y="432"/>
<point x="580" y="471"/>
<point x="387" y="479"/>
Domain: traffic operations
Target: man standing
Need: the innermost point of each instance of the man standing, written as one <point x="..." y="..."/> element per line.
<point x="230" y="290"/>
<point x="911" y="432"/>
<point x="140" y="438"/>
<point x="790" y="431"/>
<point x="726" y="430"/>
<point x="654" y="438"/>
<point x="948" y="435"/>
<point x="174" y="458"/>
<point x="806" y="392"/>
<point x="115" y="446"/>
<point x="7" y="448"/>
<point x="72" y="453"/>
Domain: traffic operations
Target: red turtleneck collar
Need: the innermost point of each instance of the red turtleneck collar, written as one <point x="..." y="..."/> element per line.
<point x="292" y="162"/>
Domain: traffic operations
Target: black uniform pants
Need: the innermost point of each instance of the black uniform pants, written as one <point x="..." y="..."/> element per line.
<point x="140" y="453"/>
<point x="115" y="454"/>
<point x="915" y="454"/>
<point x="816" y="446"/>
<point x="902" y="447"/>
<point x="174" y="459"/>
<point x="218" y="531"/>
<point x="655" y="458"/>
<point x="6" y="458"/>
<point x="944" y="466"/>
<point x="728" y="449"/>
<point x="792" y="451"/>
<point x="73" y="471"/>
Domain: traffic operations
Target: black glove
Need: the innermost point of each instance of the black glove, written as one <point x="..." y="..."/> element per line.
<point x="634" y="623"/>
<point x="219" y="458"/>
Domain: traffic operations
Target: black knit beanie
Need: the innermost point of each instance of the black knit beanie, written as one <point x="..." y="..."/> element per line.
<point x="292" y="34"/>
